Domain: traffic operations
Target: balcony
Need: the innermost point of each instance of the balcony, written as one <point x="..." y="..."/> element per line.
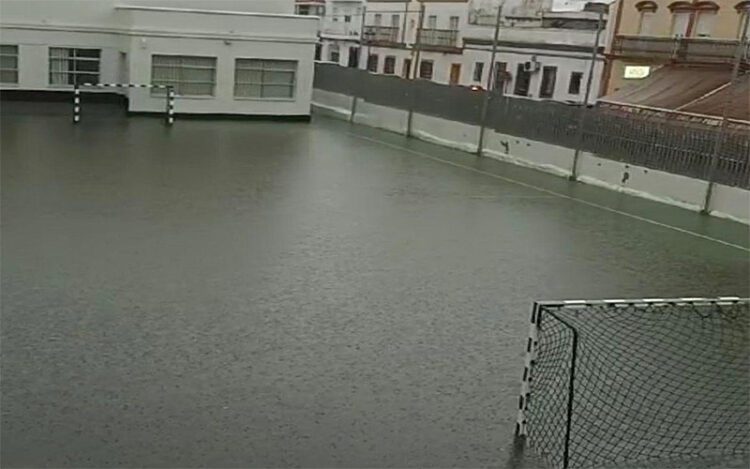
<point x="340" y="30"/>
<point x="698" y="50"/>
<point x="439" y="39"/>
<point x="384" y="35"/>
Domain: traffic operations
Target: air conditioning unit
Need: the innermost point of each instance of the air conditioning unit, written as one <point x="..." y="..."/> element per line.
<point x="531" y="66"/>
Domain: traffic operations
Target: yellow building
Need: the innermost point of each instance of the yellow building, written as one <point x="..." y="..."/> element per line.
<point x="680" y="48"/>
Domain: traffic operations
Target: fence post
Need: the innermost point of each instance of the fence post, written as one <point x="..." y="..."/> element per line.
<point x="587" y="95"/>
<point x="76" y="103"/>
<point x="490" y="85"/>
<point x="170" y="105"/>
<point x="720" y="134"/>
<point x="415" y="67"/>
<point x="353" y="110"/>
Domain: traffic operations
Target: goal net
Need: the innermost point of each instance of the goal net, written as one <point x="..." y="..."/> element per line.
<point x="617" y="382"/>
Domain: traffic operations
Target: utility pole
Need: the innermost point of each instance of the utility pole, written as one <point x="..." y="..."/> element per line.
<point x="490" y="86"/>
<point x="587" y="95"/>
<point x="742" y="46"/>
<point x="415" y="66"/>
<point x="362" y="41"/>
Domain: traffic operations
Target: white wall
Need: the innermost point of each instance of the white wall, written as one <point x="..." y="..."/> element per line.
<point x="98" y="13"/>
<point x="140" y="32"/>
<point x="223" y="100"/>
<point x="566" y="63"/>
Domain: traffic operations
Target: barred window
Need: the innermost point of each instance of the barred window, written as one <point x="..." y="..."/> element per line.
<point x="8" y="64"/>
<point x="73" y="66"/>
<point x="189" y="75"/>
<point x="264" y="78"/>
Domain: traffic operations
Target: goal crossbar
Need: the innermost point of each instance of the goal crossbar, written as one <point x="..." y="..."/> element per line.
<point x="170" y="97"/>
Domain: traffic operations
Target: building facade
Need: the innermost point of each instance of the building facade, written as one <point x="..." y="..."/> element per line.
<point x="540" y="55"/>
<point x="649" y="34"/>
<point x="226" y="60"/>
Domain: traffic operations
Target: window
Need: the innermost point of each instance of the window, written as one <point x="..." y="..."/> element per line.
<point x="432" y="22"/>
<point x="453" y="23"/>
<point x="378" y="19"/>
<point x="647" y="13"/>
<point x="547" y="88"/>
<point x="347" y="18"/>
<point x="574" y="85"/>
<point x="318" y="48"/>
<point x="478" y="71"/>
<point x="389" y="65"/>
<point x="189" y="75"/>
<point x="73" y="66"/>
<point x="743" y="10"/>
<point x="406" y="68"/>
<point x="310" y="10"/>
<point x="333" y="53"/>
<point x="353" y="60"/>
<point x="8" y="64"/>
<point x="681" y="13"/>
<point x="704" y="24"/>
<point x="394" y="21"/>
<point x="646" y="23"/>
<point x="522" y="81"/>
<point x="680" y="21"/>
<point x="425" y="69"/>
<point x="501" y="69"/>
<point x="372" y="63"/>
<point x="265" y="79"/>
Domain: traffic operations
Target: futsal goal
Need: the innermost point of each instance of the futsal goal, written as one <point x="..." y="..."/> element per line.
<point x="629" y="383"/>
<point x="169" y="97"/>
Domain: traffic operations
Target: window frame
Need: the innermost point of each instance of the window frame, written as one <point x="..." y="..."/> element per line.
<point x="478" y="72"/>
<point x="373" y="61"/>
<point x="74" y="60"/>
<point x="4" y="69"/>
<point x="389" y="59"/>
<point x="175" y="84"/>
<point x="261" y="84"/>
<point x="431" y="63"/>
<point x="547" y="86"/>
<point x="579" y="76"/>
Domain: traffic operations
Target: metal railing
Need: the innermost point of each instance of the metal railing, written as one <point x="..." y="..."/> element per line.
<point x="381" y="34"/>
<point x="655" y="140"/>
<point x="439" y="38"/>
<point x="680" y="48"/>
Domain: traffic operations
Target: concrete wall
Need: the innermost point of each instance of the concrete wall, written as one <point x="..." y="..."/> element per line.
<point x="727" y="202"/>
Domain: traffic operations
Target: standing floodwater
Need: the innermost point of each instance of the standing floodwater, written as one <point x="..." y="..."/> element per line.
<point x="233" y="294"/>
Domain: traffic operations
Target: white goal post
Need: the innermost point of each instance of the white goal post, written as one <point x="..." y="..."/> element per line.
<point x="170" y="96"/>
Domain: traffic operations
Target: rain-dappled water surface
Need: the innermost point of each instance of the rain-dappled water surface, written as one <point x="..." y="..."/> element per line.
<point x="234" y="294"/>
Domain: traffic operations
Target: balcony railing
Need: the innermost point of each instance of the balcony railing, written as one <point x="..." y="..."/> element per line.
<point x="691" y="49"/>
<point x="381" y="34"/>
<point x="439" y="37"/>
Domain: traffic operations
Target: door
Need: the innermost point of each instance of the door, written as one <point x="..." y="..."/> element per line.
<point x="406" y="68"/>
<point x="455" y="76"/>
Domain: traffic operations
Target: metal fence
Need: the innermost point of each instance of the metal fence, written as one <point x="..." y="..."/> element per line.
<point x="659" y="140"/>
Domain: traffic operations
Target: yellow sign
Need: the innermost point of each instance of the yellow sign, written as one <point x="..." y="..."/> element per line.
<point x="637" y="71"/>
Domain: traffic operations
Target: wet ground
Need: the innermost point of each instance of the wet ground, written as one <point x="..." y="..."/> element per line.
<point x="235" y="294"/>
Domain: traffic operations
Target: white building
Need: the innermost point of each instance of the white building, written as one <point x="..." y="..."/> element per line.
<point x="541" y="54"/>
<point x="340" y="30"/>
<point x="546" y="58"/>
<point x="222" y="60"/>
